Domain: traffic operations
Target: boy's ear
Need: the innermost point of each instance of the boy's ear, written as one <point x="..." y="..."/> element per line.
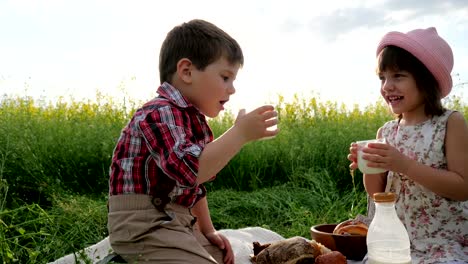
<point x="184" y="70"/>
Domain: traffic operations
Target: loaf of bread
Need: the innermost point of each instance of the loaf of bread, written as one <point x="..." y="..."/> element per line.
<point x="334" y="257"/>
<point x="294" y="250"/>
<point x="351" y="227"/>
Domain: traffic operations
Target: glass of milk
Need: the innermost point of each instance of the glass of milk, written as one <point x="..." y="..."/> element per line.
<point x="362" y="163"/>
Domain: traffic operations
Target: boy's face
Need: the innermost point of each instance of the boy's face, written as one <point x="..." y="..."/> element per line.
<point x="212" y="87"/>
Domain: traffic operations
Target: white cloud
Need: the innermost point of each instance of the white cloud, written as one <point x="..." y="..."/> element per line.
<point x="306" y="47"/>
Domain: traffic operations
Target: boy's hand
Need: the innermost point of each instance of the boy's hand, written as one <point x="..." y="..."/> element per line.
<point x="253" y="125"/>
<point x="223" y="243"/>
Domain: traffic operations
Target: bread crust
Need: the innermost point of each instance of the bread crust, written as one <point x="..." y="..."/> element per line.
<point x="351" y="227"/>
<point x="295" y="250"/>
<point x="334" y="257"/>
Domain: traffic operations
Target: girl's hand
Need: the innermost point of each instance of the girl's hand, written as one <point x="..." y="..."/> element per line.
<point x="352" y="156"/>
<point x="388" y="158"/>
<point x="223" y="243"/>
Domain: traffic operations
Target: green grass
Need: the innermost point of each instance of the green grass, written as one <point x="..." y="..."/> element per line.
<point x="34" y="235"/>
<point x="54" y="161"/>
<point x="289" y="209"/>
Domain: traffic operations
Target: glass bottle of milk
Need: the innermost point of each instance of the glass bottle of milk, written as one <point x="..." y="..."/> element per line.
<point x="387" y="239"/>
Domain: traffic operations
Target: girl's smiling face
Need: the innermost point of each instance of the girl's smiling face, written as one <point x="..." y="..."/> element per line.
<point x="407" y="85"/>
<point x="400" y="91"/>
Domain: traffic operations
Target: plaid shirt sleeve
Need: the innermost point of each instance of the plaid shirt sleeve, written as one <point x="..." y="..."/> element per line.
<point x="167" y="132"/>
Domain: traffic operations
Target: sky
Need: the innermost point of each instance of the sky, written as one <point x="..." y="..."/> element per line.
<point x="324" y="49"/>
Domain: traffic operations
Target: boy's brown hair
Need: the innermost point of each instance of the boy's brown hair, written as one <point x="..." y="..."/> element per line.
<point x="199" y="41"/>
<point x="398" y="59"/>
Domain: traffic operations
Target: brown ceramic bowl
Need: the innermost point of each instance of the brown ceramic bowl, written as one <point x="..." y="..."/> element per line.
<point x="353" y="247"/>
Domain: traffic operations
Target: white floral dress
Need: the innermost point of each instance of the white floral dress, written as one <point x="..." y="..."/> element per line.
<point x="437" y="226"/>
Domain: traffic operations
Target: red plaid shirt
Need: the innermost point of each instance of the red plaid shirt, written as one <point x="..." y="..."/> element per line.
<point x="158" y="150"/>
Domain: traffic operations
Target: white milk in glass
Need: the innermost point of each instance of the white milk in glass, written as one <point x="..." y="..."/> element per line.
<point x="373" y="261"/>
<point x="362" y="163"/>
<point x="387" y="239"/>
<point x="380" y="256"/>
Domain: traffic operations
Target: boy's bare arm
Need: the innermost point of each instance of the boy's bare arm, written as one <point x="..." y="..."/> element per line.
<point x="202" y="212"/>
<point x="248" y="127"/>
<point x="218" y="153"/>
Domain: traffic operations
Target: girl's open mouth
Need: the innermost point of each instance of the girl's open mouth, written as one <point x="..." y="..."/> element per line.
<point x="394" y="99"/>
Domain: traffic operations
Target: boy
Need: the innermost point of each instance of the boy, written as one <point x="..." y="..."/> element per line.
<point x="158" y="212"/>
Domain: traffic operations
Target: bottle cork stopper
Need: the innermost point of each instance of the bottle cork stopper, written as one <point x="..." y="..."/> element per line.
<point x="384" y="197"/>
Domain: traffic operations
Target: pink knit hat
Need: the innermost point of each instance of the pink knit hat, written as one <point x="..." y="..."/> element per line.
<point x="427" y="46"/>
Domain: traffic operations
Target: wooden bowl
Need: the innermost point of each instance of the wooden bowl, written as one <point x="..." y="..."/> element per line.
<point x="354" y="247"/>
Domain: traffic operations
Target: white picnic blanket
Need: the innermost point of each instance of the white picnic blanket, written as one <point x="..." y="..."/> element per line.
<point x="241" y="241"/>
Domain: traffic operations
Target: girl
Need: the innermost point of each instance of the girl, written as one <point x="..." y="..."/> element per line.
<point x="426" y="152"/>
